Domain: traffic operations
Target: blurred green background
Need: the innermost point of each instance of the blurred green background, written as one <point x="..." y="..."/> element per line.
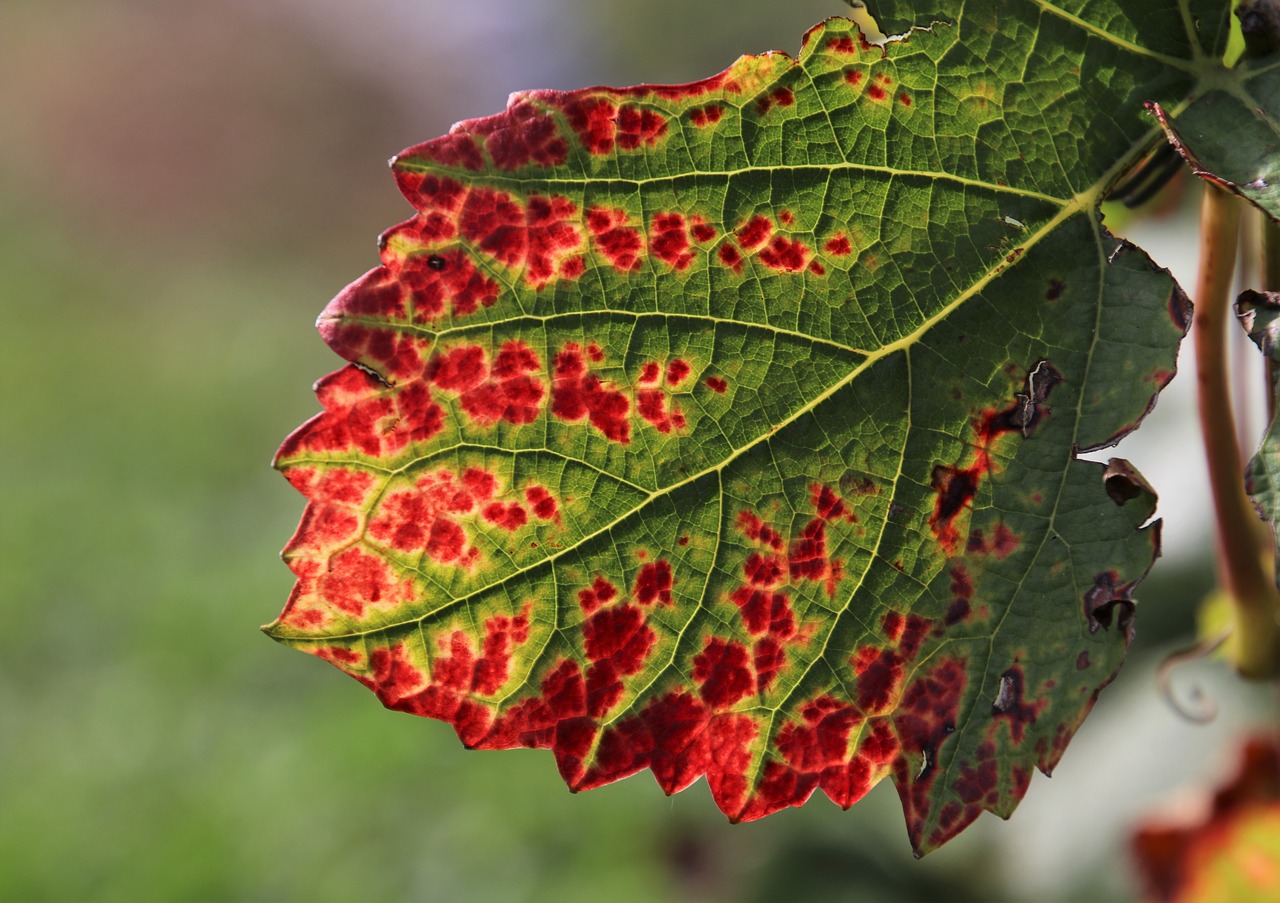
<point x="182" y="188"/>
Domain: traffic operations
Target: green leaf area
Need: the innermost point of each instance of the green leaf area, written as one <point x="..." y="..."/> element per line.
<point x="730" y="429"/>
<point x="1230" y="132"/>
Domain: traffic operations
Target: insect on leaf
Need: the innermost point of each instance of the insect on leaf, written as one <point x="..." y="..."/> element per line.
<point x="730" y="429"/>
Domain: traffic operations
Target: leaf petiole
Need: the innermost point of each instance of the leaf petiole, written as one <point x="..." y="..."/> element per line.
<point x="1242" y="563"/>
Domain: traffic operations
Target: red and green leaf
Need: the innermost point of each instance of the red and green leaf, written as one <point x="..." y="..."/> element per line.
<point x="1223" y="848"/>
<point x="730" y="429"/>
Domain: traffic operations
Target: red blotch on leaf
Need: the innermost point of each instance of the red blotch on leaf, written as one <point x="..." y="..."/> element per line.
<point x="979" y="781"/>
<point x="650" y="374"/>
<point x="808" y="557"/>
<point x="723" y="672"/>
<point x="521" y="136"/>
<point x="751" y="526"/>
<point x="770" y="660"/>
<point x="829" y="506"/>
<point x="838" y="245"/>
<point x="669" y="735"/>
<point x="363" y="414"/>
<point x="392" y="676"/>
<point x="533" y="722"/>
<point x="552" y="236"/>
<point x="458" y="148"/>
<point x="880" y="673"/>
<point x="338" y="655"/>
<point x="1001" y="543"/>
<point x="729" y="741"/>
<point x="705" y="116"/>
<point x="652" y="406"/>
<point x="764" y="570"/>
<point x="677" y="372"/>
<point x="429" y="193"/>
<point x="654" y="583"/>
<point x="507" y="392"/>
<point x="781" y="97"/>
<point x="422" y="519"/>
<point x="702" y="231"/>
<point x="349" y="582"/>
<point x="501" y="635"/>
<point x="460" y="369"/>
<point x="730" y="257"/>
<point x="639" y="127"/>
<point x="594" y="120"/>
<point x="496" y="223"/>
<point x="445" y="281"/>
<point x="573" y="267"/>
<point x="578" y="395"/>
<point x="480" y="483"/>
<point x="537" y="237"/>
<point x="507" y="515"/>
<point x="717" y="385"/>
<point x="601" y="592"/>
<point x="956" y="488"/>
<point x="669" y="240"/>
<point x="543" y="503"/>
<point x="620" y="244"/>
<point x="617" y="642"/>
<point x="925" y="718"/>
<point x="755" y="232"/>
<point x="785" y="255"/>
<point x="393" y="353"/>
<point x="765" y="612"/>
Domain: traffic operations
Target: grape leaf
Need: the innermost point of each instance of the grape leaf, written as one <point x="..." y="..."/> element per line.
<point x="1230" y="134"/>
<point x="730" y="429"/>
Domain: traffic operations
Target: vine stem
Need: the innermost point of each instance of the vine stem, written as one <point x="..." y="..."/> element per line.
<point x="1243" y="569"/>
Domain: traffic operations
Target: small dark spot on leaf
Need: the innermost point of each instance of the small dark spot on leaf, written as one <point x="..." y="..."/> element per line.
<point x="1056" y="288"/>
<point x="436" y="262"/>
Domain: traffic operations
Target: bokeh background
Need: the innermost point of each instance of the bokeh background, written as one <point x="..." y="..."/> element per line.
<point x="182" y="188"/>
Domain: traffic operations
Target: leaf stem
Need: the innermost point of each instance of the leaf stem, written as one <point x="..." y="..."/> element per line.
<point x="1242" y="566"/>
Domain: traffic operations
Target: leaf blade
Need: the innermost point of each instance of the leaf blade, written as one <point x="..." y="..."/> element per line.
<point x="776" y="517"/>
